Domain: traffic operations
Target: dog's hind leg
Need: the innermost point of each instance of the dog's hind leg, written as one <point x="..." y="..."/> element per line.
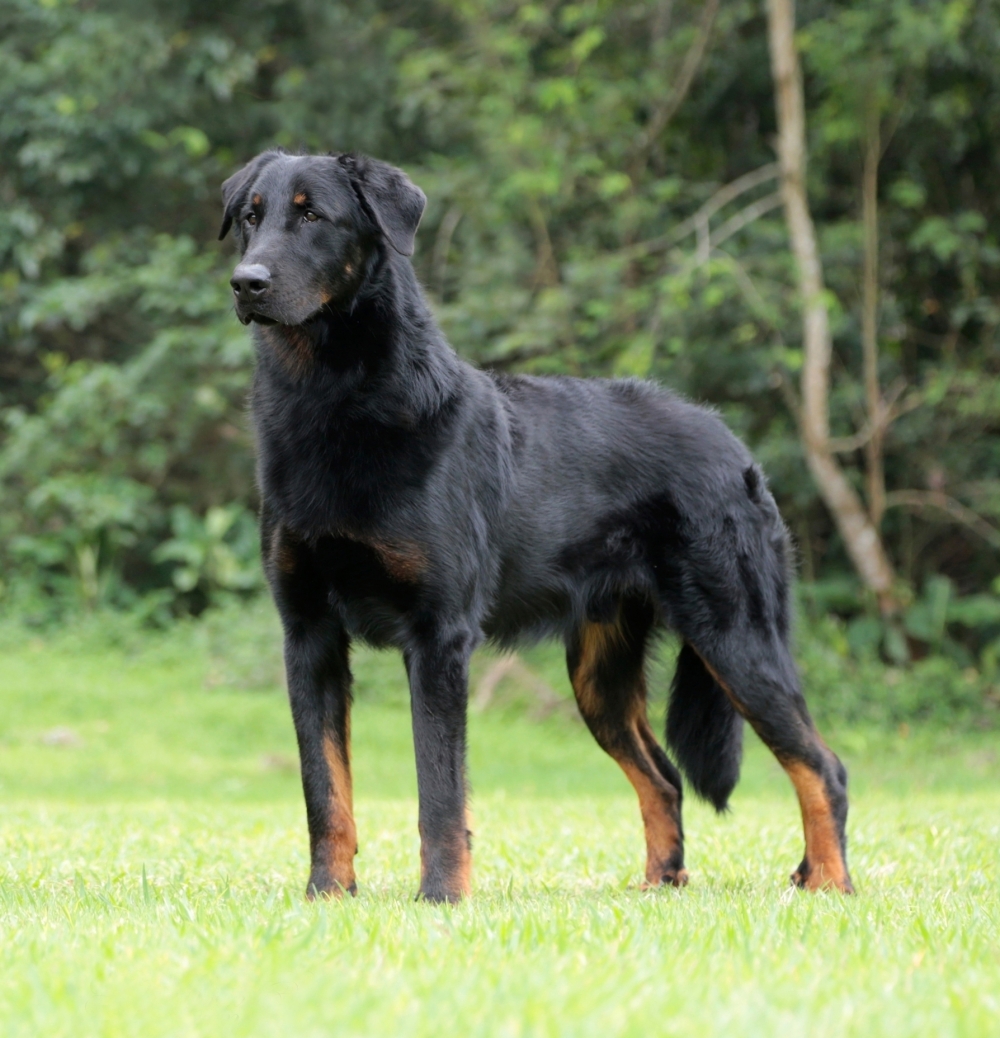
<point x="319" y="689"/>
<point x="760" y="678"/>
<point x="606" y="663"/>
<point x="726" y="592"/>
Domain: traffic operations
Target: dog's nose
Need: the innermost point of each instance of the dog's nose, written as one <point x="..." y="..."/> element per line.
<point x="250" y="281"/>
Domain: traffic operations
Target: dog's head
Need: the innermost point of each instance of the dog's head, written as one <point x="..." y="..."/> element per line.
<point x="308" y="227"/>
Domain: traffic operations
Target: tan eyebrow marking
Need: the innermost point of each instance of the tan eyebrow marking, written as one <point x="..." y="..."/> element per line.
<point x="300" y="198"/>
<point x="256" y="199"/>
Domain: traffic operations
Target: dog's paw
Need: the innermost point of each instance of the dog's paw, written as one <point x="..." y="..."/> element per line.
<point x="669" y="878"/>
<point x="436" y="896"/>
<point x="820" y="877"/>
<point x="322" y="888"/>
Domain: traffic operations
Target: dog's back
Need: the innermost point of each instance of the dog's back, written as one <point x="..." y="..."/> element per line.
<point x="609" y="479"/>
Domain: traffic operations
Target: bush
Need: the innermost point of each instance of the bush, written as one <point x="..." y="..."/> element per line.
<point x="848" y="688"/>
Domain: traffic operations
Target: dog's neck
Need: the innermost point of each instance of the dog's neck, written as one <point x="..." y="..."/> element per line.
<point x="385" y="345"/>
<point x="356" y="397"/>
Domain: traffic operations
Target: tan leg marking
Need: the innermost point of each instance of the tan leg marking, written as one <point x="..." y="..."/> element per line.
<point x="826" y="861"/>
<point x="342" y="842"/>
<point x="281" y="553"/>
<point x="403" y="561"/>
<point x="661" y="828"/>
<point x="823" y="853"/>
<point x="662" y="835"/>
<point x="595" y="641"/>
<point x="459" y="855"/>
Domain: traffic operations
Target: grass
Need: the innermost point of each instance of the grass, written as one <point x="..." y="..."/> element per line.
<point x="153" y="854"/>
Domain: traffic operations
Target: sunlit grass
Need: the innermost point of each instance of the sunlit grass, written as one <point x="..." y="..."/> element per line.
<point x="153" y="854"/>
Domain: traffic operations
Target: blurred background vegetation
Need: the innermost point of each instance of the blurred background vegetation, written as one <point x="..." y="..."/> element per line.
<point x="602" y="201"/>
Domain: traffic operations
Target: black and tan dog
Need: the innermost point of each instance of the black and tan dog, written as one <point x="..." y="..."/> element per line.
<point x="410" y="500"/>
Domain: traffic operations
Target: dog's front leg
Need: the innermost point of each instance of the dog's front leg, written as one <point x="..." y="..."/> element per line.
<point x="439" y="670"/>
<point x="319" y="687"/>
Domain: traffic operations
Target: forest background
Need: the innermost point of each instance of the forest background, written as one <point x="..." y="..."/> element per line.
<point x="604" y="199"/>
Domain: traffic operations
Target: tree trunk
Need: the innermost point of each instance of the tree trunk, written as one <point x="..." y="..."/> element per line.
<point x="860" y="537"/>
<point x="874" y="464"/>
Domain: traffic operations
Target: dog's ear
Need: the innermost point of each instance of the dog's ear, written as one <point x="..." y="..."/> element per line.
<point x="234" y="190"/>
<point x="392" y="199"/>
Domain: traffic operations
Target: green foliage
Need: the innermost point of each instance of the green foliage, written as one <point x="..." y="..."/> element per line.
<point x="219" y="551"/>
<point x="123" y="372"/>
<point x="847" y="683"/>
<point x="965" y="630"/>
<point x="576" y="223"/>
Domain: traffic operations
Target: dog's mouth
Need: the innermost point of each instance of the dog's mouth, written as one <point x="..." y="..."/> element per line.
<point x="267" y="316"/>
<point x="255" y="317"/>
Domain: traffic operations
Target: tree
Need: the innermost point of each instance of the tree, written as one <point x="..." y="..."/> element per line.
<point x="858" y="529"/>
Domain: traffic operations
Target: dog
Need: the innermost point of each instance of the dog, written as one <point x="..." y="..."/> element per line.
<point x="412" y="501"/>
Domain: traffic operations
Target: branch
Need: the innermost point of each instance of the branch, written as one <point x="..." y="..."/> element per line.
<point x="661" y="24"/>
<point x="747" y="215"/>
<point x="923" y="338"/>
<point x="668" y="109"/>
<point x="874" y="458"/>
<point x="787" y="389"/>
<point x="548" y="700"/>
<point x="889" y="410"/>
<point x="546" y="267"/>
<point x="722" y="197"/>
<point x="488" y="683"/>
<point x="750" y="291"/>
<point x="779" y="378"/>
<point x="919" y="499"/>
<point x="519" y="356"/>
<point x="442" y="246"/>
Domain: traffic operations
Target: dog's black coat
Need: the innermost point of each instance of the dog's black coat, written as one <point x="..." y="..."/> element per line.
<point x="410" y="500"/>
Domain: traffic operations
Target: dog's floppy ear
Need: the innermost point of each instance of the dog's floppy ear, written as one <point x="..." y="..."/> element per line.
<point x="234" y="190"/>
<point x="392" y="199"/>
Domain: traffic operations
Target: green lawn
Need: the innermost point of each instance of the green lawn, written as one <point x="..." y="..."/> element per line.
<point x="153" y="854"/>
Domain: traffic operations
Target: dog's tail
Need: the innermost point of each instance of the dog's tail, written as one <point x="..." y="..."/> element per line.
<point x="704" y="730"/>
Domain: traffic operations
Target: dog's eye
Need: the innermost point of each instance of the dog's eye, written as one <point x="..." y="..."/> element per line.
<point x="252" y="219"/>
<point x="310" y="216"/>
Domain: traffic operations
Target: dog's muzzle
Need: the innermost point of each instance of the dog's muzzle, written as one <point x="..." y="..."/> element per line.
<point x="251" y="284"/>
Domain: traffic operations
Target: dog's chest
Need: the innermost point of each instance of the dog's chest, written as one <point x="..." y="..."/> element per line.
<point x="320" y="471"/>
<point x="374" y="584"/>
